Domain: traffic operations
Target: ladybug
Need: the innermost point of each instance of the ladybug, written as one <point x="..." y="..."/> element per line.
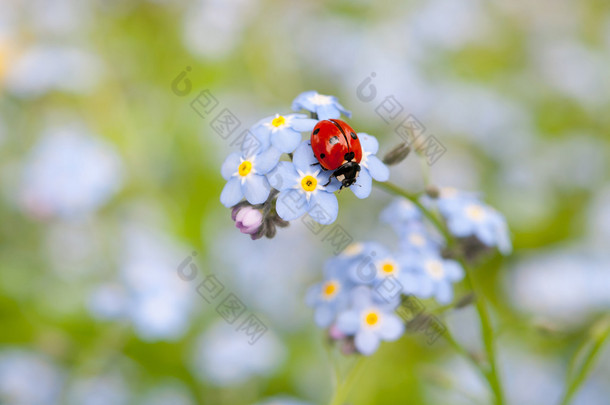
<point x="337" y="147"/>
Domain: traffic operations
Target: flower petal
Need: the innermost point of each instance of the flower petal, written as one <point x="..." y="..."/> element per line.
<point x="327" y="111"/>
<point x="377" y="169"/>
<point x="291" y="204"/>
<point x="284" y="176"/>
<point x="363" y="185"/>
<point x="230" y="165"/>
<point x="453" y="270"/>
<point x="311" y="297"/>
<point x="460" y="226"/>
<point x="255" y="140"/>
<point x="302" y="101"/>
<point x="368" y="142"/>
<point x="303" y="124"/>
<point x="444" y="292"/>
<point x="231" y="193"/>
<point x="348" y="322"/>
<point x="392" y="327"/>
<point x="304" y="158"/>
<point x="267" y="160"/>
<point x="257" y="189"/>
<point x="324" y="207"/>
<point x="324" y="316"/>
<point x="286" y="140"/>
<point x="366" y="342"/>
<point x="426" y="286"/>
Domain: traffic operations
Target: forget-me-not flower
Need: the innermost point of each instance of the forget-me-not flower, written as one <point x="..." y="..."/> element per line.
<point x="467" y="216"/>
<point x="245" y="176"/>
<point x="371" y="167"/>
<point x="414" y="237"/>
<point x="331" y="295"/>
<point x="399" y="213"/>
<point x="326" y="107"/>
<point x="283" y="132"/>
<point x="435" y="275"/>
<point x="304" y="188"/>
<point x="369" y="322"/>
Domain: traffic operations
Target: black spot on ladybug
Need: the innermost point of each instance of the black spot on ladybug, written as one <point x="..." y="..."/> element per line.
<point x="354" y="136"/>
<point x="322" y="155"/>
<point x="333" y="140"/>
<point x="315" y="131"/>
<point x="349" y="156"/>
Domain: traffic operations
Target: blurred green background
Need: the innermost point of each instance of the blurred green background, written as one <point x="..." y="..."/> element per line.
<point x="110" y="179"/>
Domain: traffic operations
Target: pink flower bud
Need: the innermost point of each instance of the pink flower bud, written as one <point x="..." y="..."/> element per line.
<point x="247" y="219"/>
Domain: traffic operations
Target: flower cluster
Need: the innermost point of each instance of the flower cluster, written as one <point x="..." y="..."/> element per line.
<point x="281" y="179"/>
<point x="365" y="284"/>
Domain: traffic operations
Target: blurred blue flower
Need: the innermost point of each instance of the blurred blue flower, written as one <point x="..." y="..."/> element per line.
<point x="435" y="275"/>
<point x="369" y="322"/>
<point x="151" y="296"/>
<point x="245" y="176"/>
<point x="69" y="173"/>
<point x="28" y="378"/>
<point x="416" y="238"/>
<point x="400" y="213"/>
<point x="326" y="107"/>
<point x="283" y="132"/>
<point x="371" y="167"/>
<point x="224" y="356"/>
<point x="467" y="216"/>
<point x="302" y="189"/>
<point x="331" y="295"/>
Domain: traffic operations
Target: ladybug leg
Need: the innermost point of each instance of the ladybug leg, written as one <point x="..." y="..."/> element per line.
<point x="329" y="180"/>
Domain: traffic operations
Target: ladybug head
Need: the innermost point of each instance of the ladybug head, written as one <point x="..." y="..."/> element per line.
<point x="347" y="173"/>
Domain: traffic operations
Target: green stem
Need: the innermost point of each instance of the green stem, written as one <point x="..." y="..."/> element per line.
<point x="488" y="336"/>
<point x="343" y="389"/>
<point x="486" y="327"/>
<point x="599" y="336"/>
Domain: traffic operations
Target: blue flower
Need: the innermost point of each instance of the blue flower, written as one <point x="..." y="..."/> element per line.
<point x="435" y="275"/>
<point x="415" y="238"/>
<point x="389" y="274"/>
<point x="467" y="216"/>
<point x="371" y="167"/>
<point x="283" y="132"/>
<point x="246" y="177"/>
<point x="303" y="188"/>
<point x="399" y="213"/>
<point x="369" y="322"/>
<point x="326" y="107"/>
<point x="332" y="295"/>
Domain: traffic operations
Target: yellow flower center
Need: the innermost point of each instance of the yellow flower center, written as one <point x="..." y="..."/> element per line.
<point x="330" y="289"/>
<point x="244" y="168"/>
<point x="387" y="268"/>
<point x="435" y="269"/>
<point x="309" y="183"/>
<point x="278" y="121"/>
<point x="371" y="318"/>
<point x="475" y="212"/>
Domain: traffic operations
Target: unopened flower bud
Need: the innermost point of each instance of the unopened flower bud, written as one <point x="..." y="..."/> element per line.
<point x="247" y="219"/>
<point x="433" y="192"/>
<point x="397" y="154"/>
<point x="334" y="333"/>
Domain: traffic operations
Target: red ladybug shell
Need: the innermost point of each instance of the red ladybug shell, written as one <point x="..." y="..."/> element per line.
<point x="331" y="140"/>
